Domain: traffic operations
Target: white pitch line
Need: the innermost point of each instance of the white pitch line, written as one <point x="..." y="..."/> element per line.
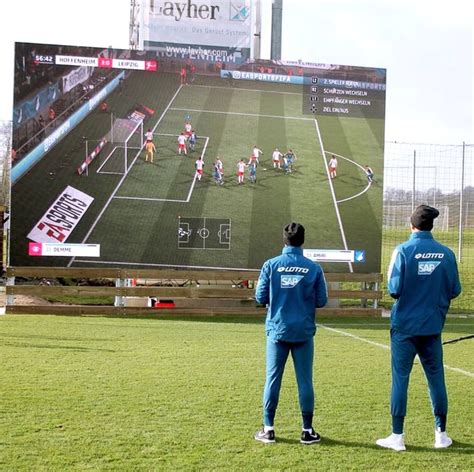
<point x="191" y="188"/>
<point x="105" y="161"/>
<point x="387" y="348"/>
<point x="123" y="178"/>
<point x="358" y="165"/>
<point x="386" y="324"/>
<point x="238" y="89"/>
<point x="353" y="336"/>
<point x="146" y="199"/>
<point x="355" y="196"/>
<point x="175" y="135"/>
<point x="338" y="215"/>
<point x="174" y="266"/>
<point x="194" y="180"/>
<point x="256" y="115"/>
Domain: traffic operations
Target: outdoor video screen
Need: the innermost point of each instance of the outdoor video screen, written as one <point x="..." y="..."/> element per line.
<point x="148" y="160"/>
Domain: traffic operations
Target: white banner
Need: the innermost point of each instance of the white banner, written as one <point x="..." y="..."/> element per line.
<point x="68" y="250"/>
<point x="76" y="61"/>
<point x="335" y="255"/>
<point x="105" y="63"/>
<point x="57" y="224"/>
<point x="225" y="23"/>
<point x="76" y="77"/>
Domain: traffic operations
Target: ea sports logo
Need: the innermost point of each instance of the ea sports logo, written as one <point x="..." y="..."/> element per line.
<point x="236" y="74"/>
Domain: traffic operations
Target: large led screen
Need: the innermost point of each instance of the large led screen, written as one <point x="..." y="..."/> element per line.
<point x="134" y="159"/>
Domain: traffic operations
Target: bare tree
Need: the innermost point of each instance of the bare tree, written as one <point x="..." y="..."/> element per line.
<point x="5" y="162"/>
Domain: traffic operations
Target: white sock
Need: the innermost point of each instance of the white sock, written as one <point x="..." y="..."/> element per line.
<point x="268" y="428"/>
<point x="308" y="430"/>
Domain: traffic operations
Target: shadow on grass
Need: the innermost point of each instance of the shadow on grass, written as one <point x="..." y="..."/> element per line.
<point x="67" y="348"/>
<point x="456" y="448"/>
<point x="53" y="338"/>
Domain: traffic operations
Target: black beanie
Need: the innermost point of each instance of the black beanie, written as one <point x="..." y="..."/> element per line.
<point x="293" y="234"/>
<point x="423" y="216"/>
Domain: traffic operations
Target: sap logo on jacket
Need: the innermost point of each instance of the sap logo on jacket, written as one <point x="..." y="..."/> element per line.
<point x="423" y="278"/>
<point x="427" y="268"/>
<point x="290" y="281"/>
<point x="293" y="287"/>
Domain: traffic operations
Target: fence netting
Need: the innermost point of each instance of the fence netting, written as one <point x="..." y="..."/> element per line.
<point x="441" y="176"/>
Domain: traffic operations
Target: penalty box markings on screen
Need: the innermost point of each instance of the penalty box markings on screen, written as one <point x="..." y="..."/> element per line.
<point x="238" y="89"/>
<point x="191" y="188"/>
<point x="256" y="115"/>
<point x="124" y="176"/>
<point x="98" y="171"/>
<point x="360" y="167"/>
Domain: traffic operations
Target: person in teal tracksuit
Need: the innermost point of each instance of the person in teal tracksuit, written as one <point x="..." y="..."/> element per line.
<point x="293" y="287"/>
<point x="423" y="278"/>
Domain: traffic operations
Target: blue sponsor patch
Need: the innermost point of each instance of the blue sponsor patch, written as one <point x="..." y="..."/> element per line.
<point x="427" y="267"/>
<point x="290" y="281"/>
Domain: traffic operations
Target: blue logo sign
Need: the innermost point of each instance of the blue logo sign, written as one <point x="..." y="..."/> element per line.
<point x="239" y="12"/>
<point x="359" y="255"/>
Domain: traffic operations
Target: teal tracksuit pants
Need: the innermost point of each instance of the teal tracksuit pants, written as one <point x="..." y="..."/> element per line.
<point x="404" y="348"/>
<point x="276" y="357"/>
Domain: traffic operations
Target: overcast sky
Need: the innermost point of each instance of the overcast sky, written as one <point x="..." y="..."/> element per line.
<point x="426" y="47"/>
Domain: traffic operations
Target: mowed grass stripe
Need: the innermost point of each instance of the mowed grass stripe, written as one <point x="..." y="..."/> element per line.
<point x="110" y="394"/>
<point x="337" y="134"/>
<point x="310" y="193"/>
<point x="271" y="194"/>
<point x="168" y="219"/>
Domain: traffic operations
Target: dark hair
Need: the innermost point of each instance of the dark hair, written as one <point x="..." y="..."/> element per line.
<point x="293" y="234"/>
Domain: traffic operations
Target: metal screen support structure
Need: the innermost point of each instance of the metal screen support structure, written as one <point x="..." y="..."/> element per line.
<point x="119" y="298"/>
<point x="414" y="182"/>
<point x="10" y="299"/>
<point x="461" y="203"/>
<point x="277" y="14"/>
<point x="376" y="301"/>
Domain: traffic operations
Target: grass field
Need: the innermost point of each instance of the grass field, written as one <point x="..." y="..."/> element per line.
<point x="173" y="394"/>
<point x="135" y="216"/>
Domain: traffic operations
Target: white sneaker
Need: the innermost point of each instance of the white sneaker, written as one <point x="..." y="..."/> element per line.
<point x="394" y="441"/>
<point x="442" y="440"/>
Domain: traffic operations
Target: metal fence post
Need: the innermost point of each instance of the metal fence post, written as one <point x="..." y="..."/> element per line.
<point x="461" y="203"/>
<point x="10" y="299"/>
<point x="414" y="182"/>
<point x="119" y="298"/>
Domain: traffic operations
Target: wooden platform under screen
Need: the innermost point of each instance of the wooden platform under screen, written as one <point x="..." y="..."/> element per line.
<point x="198" y="292"/>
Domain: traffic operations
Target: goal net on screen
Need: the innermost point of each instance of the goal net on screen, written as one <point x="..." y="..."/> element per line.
<point x="124" y="143"/>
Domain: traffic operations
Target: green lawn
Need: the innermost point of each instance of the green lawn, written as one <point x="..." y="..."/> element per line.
<point x="170" y="394"/>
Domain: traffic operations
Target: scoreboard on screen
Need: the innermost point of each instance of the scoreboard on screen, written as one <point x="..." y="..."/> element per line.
<point x="101" y="62"/>
<point x="325" y="96"/>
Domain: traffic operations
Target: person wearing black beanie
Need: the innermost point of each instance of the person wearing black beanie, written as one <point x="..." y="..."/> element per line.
<point x="293" y="287"/>
<point x="423" y="279"/>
